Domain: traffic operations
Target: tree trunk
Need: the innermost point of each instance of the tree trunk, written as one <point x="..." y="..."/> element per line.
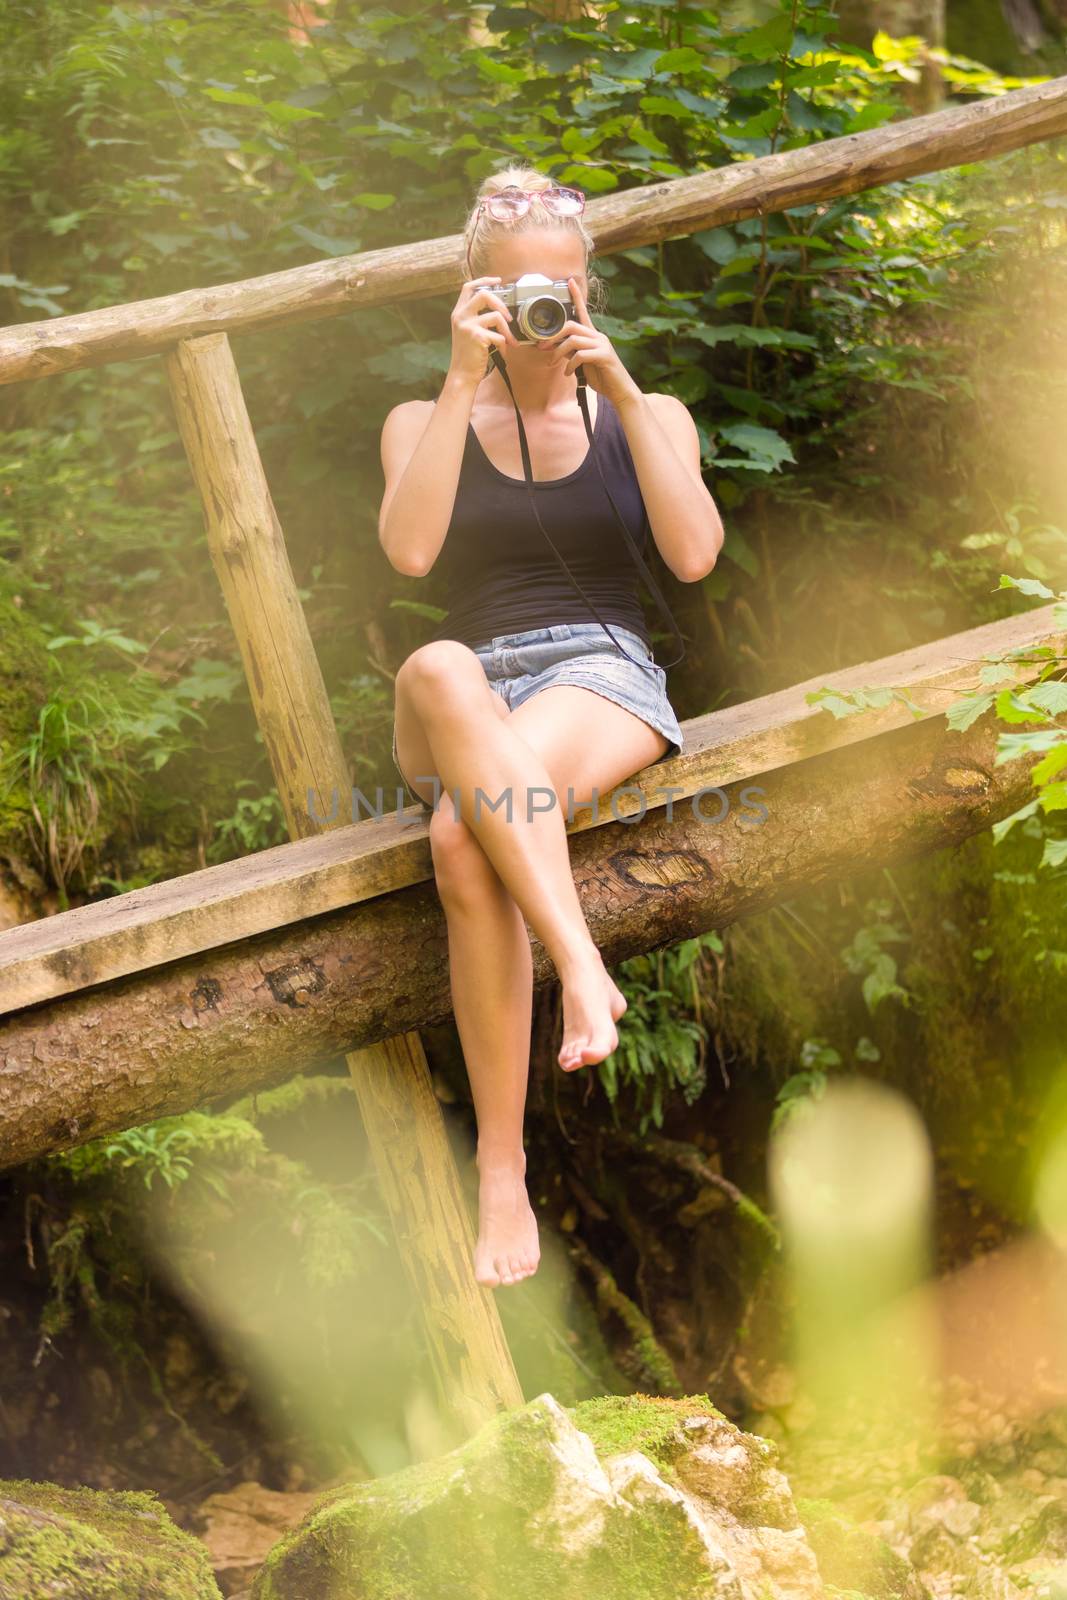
<point x="252" y="1013"/>
<point x="859" y="20"/>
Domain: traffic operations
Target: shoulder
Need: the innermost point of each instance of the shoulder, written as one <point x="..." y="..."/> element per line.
<point x="401" y="431"/>
<point x="407" y="414"/>
<point x="669" y="405"/>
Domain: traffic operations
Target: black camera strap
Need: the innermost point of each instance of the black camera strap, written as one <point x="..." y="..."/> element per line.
<point x="498" y="361"/>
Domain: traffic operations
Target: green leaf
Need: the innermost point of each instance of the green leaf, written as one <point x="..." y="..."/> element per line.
<point x="1031" y="586"/>
<point x="234" y="97"/>
<point x="962" y="713"/>
<point x="719" y="244"/>
<point x="1005" y="824"/>
<point x="760" y="76"/>
<point x="770" y="38"/>
<point x="168" y="244"/>
<point x="218" y="139"/>
<point x="684" y="59"/>
<point x="322" y="242"/>
<point x="1055" y="853"/>
<point x="1054" y="797"/>
<point x="766" y="447"/>
<point x="499" y="71"/>
<point x="738" y="549"/>
<point x="1050" y="697"/>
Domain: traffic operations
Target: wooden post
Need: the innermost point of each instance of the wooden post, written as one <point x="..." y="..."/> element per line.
<point x="420" y="1183"/>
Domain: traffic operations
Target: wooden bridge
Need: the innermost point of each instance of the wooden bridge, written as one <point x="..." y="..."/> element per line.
<point x="223" y="980"/>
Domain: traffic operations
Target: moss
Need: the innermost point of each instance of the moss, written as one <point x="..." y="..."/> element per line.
<point x="618" y="1423"/>
<point x="83" y="1544"/>
<point x="358" y="1535"/>
<point x="288" y="1098"/>
<point x="467" y="1526"/>
<point x="645" y="1358"/>
<point x="850" y="1559"/>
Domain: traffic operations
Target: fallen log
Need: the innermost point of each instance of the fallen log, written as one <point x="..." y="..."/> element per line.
<point x="652" y="212"/>
<point x="358" y="860"/>
<point x="253" y="1013"/>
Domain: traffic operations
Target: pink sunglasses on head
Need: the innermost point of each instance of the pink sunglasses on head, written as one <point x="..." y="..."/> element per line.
<point x="507" y="205"/>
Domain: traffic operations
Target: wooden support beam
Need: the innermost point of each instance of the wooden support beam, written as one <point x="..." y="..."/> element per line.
<point x="252" y="1013"/>
<point x="654" y="211"/>
<point x="405" y="1130"/>
<point x="355" y="861"/>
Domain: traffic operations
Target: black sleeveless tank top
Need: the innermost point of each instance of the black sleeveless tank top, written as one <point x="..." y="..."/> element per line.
<point x="496" y="571"/>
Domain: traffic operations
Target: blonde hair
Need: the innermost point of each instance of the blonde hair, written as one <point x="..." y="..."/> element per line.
<point x="481" y="232"/>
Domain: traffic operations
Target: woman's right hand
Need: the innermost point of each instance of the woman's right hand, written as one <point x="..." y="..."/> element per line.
<point x="479" y="320"/>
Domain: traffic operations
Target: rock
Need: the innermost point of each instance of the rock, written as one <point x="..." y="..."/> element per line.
<point x="86" y="1544"/>
<point x="631" y="1498"/>
<point x="240" y="1526"/>
<point x="855" y="1558"/>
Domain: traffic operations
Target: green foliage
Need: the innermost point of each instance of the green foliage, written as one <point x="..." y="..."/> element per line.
<point x="210" y="1164"/>
<point x="868" y="958"/>
<point x="98" y="733"/>
<point x="256" y="823"/>
<point x="157" y="150"/>
<point x="662" y="1039"/>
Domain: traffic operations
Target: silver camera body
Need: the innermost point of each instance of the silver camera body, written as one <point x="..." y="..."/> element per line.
<point x="539" y="306"/>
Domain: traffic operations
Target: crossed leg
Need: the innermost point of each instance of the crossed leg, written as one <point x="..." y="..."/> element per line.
<point x="448" y="721"/>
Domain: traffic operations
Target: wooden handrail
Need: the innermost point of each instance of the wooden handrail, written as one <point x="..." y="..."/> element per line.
<point x="619" y="221"/>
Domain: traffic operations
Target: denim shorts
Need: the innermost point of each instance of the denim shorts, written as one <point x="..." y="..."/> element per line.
<point x="519" y="665"/>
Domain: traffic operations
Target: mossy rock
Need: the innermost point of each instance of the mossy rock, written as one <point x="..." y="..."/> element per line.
<point x="697" y="1448"/>
<point x="617" y="1423"/>
<point x="535" y="1505"/>
<point x="87" y="1544"/>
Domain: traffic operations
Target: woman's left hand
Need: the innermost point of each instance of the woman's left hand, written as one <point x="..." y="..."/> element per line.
<point x="581" y="344"/>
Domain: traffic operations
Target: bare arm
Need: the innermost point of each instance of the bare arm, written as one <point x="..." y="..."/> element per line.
<point x="422" y="452"/>
<point x="665" y="447"/>
<point x="422" y="455"/>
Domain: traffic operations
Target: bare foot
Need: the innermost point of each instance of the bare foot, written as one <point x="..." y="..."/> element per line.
<point x="508" y="1248"/>
<point x="592" y="1004"/>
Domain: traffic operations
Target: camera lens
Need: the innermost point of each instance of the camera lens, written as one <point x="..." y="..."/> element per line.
<point x="543" y="317"/>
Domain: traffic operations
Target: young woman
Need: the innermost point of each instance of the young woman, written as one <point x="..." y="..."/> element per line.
<point x="521" y="689"/>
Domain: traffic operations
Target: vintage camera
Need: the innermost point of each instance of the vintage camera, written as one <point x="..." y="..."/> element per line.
<point x="539" y="306"/>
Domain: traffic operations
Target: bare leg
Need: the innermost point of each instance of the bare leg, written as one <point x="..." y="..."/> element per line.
<point x="473" y="747"/>
<point x="491" y="973"/>
<point x="489" y="953"/>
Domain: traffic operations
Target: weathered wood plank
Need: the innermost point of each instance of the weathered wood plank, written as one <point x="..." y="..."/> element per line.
<point x="253" y="1013"/>
<point x="469" y="1357"/>
<point x="355" y="861"/>
<point x="644" y="215"/>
